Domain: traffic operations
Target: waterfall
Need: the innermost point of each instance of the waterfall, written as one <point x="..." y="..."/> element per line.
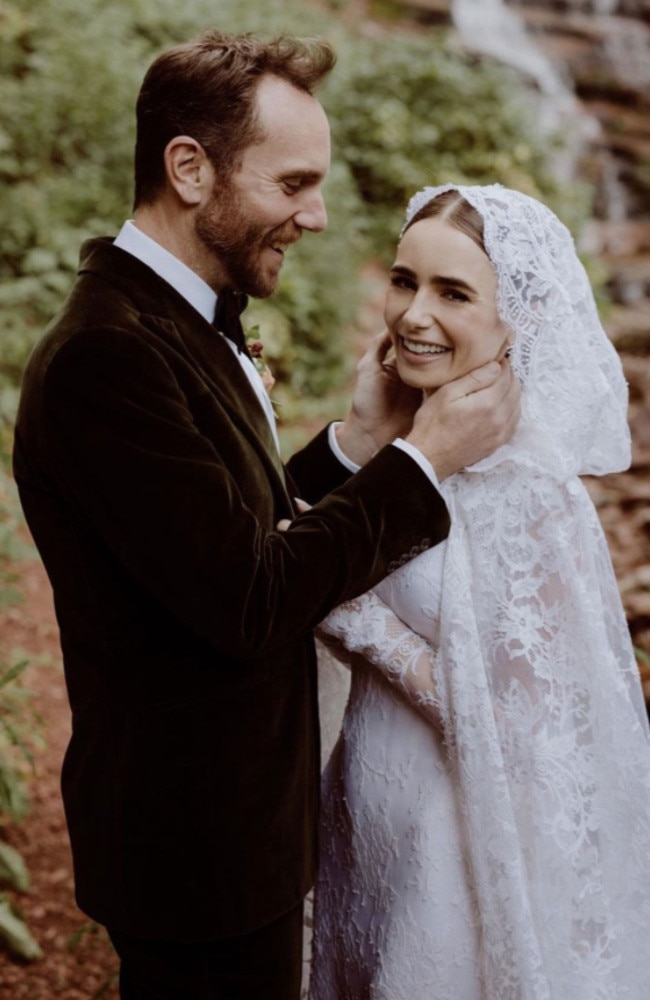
<point x="490" y="28"/>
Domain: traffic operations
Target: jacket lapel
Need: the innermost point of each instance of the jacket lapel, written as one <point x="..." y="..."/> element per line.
<point x="223" y="372"/>
<point x="169" y="315"/>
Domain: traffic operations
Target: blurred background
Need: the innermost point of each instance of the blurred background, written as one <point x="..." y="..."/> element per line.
<point x="551" y="97"/>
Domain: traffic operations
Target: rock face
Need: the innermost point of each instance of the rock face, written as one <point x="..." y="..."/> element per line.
<point x="602" y="48"/>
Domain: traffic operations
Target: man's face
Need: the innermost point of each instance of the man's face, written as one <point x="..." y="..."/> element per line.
<point x="274" y="195"/>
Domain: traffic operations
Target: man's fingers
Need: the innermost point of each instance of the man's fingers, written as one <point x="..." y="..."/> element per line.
<point x="389" y="369"/>
<point x="301" y="505"/>
<point x="381" y="345"/>
<point x="474" y="381"/>
<point x="481" y="378"/>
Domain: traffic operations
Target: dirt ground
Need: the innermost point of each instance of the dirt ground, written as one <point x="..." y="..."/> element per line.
<point x="67" y="970"/>
<point x="78" y="962"/>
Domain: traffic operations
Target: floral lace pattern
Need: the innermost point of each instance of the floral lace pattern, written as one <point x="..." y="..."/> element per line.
<point x="486" y="822"/>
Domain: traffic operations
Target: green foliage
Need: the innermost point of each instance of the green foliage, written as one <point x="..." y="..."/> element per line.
<point x="12" y="547"/>
<point x="406" y="110"/>
<point x="19" y="724"/>
<point x="19" y="733"/>
<point x="417" y="113"/>
<point x="15" y="933"/>
<point x="65" y="146"/>
<point x="13" y="870"/>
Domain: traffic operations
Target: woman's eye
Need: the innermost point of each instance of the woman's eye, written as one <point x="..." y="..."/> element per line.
<point x="401" y="281"/>
<point x="455" y="295"/>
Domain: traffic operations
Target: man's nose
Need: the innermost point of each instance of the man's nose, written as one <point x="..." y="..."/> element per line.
<point x="312" y="214"/>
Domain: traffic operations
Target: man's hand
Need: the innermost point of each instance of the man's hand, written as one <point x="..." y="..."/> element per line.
<point x="301" y="507"/>
<point x="468" y="419"/>
<point x="382" y="406"/>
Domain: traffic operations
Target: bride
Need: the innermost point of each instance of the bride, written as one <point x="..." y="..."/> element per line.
<point x="486" y="810"/>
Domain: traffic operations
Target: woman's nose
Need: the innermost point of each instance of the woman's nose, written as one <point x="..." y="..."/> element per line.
<point x="420" y="314"/>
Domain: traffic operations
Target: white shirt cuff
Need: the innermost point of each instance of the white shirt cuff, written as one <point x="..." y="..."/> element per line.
<point x="334" y="445"/>
<point x="410" y="449"/>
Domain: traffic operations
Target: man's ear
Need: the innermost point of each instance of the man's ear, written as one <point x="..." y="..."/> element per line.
<point x="188" y="169"/>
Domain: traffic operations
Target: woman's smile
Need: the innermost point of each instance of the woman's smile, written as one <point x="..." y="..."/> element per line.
<point x="422" y="350"/>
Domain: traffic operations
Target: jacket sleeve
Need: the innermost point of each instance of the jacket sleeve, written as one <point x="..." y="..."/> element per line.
<point x="123" y="446"/>
<point x="315" y="470"/>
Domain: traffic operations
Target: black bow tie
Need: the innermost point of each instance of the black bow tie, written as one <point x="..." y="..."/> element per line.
<point x="230" y="306"/>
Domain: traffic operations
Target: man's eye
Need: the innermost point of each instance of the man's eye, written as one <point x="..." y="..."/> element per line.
<point x="292" y="187"/>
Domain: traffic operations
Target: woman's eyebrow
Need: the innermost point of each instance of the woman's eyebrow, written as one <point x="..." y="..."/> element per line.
<point x="441" y="280"/>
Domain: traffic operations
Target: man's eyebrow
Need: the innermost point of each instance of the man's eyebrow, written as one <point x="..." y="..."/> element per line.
<point x="309" y="176"/>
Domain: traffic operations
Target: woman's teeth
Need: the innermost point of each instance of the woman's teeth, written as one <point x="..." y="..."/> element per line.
<point x="417" y="347"/>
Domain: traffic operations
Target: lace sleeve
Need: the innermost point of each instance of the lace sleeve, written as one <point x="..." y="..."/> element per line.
<point x="366" y="626"/>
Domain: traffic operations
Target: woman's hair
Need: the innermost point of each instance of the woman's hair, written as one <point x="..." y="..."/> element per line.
<point x="206" y="89"/>
<point x="451" y="207"/>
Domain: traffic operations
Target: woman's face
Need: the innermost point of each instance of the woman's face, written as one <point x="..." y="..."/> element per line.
<point x="441" y="306"/>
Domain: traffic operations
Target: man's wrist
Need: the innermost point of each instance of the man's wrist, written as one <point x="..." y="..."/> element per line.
<point x="442" y="462"/>
<point x="418" y="457"/>
<point x="405" y="446"/>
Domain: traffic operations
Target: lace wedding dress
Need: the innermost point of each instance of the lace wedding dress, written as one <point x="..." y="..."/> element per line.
<point x="486" y="810"/>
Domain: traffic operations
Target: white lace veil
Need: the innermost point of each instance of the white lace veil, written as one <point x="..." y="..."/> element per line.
<point x="575" y="398"/>
<point x="538" y="685"/>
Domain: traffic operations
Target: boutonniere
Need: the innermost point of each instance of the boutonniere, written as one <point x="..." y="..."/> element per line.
<point x="256" y="351"/>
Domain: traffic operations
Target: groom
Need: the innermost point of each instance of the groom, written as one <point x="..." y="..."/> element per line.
<point x="149" y="474"/>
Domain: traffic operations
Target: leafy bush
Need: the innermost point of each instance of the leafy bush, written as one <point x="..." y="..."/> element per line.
<point x="405" y="111"/>
<point x="413" y="111"/>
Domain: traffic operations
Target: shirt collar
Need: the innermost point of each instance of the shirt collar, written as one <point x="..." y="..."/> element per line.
<point x="177" y="274"/>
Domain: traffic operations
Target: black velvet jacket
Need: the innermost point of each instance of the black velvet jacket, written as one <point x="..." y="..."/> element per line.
<point x="149" y="480"/>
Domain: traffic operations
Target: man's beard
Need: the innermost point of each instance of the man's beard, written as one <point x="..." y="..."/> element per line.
<point x="223" y="227"/>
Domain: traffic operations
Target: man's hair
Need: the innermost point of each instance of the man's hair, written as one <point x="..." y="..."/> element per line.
<point x="451" y="207"/>
<point x="206" y="89"/>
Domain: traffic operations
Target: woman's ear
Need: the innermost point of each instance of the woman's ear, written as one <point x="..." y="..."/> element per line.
<point x="188" y="169"/>
<point x="506" y="346"/>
